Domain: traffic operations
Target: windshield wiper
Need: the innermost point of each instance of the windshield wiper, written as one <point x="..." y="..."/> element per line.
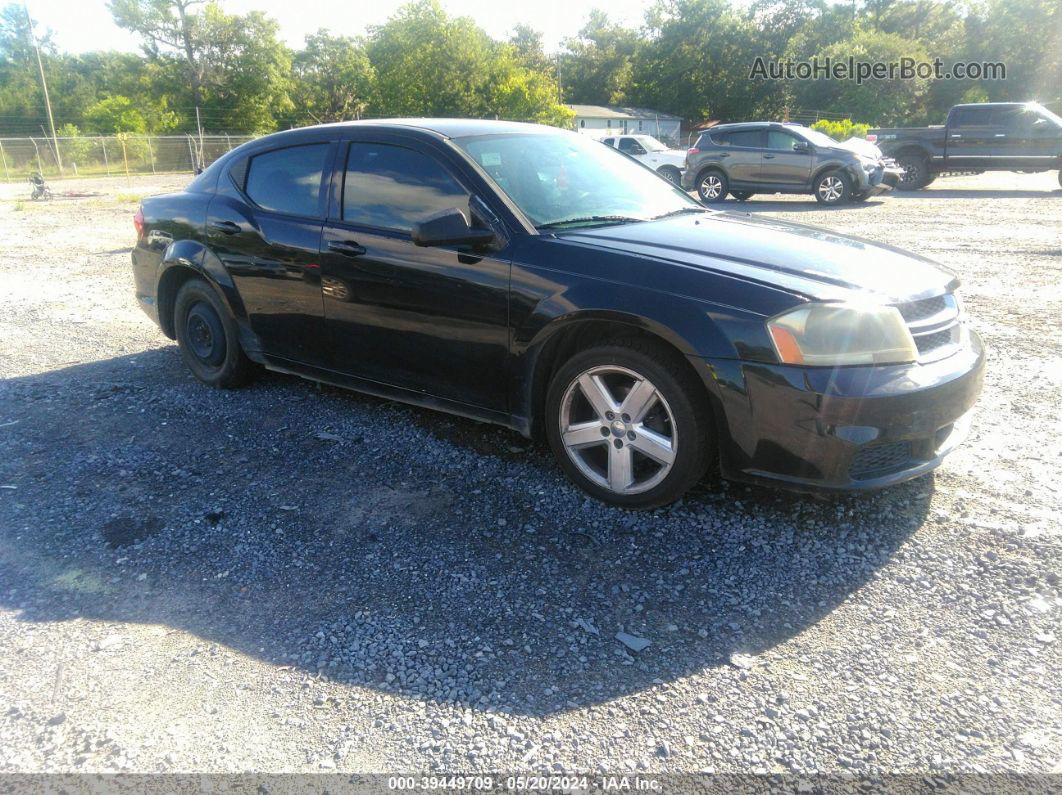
<point x="679" y="212"/>
<point x="591" y="219"/>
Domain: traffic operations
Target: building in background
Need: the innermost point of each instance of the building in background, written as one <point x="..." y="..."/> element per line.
<point x="602" y="120"/>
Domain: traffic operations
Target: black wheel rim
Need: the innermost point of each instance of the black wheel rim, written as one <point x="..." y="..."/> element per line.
<point x="911" y="173"/>
<point x="204" y="334"/>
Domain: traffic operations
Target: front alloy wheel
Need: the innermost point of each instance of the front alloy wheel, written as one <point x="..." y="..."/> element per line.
<point x="629" y="424"/>
<point x="618" y="430"/>
<point x="832" y="188"/>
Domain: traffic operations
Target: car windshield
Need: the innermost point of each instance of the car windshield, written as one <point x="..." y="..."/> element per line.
<point x="815" y="137"/>
<point x="1045" y="113"/>
<point x="570" y="180"/>
<point x="650" y="143"/>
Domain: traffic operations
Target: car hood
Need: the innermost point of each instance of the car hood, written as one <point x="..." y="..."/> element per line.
<point x="806" y="260"/>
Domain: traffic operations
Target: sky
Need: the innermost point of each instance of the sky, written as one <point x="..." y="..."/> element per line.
<point x="82" y="25"/>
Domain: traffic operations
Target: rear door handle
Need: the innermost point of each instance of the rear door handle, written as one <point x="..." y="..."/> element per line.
<point x="1001" y="135"/>
<point x="347" y="248"/>
<point x="768" y="157"/>
<point x="225" y="227"/>
<point x="724" y="154"/>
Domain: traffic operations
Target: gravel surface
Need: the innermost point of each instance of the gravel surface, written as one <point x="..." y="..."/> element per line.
<point x="294" y="578"/>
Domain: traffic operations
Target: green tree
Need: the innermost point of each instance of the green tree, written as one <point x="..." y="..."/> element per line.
<point x="881" y="101"/>
<point x="333" y="77"/>
<point x="115" y="114"/>
<point x="697" y="59"/>
<point x="430" y="64"/>
<point x="597" y="64"/>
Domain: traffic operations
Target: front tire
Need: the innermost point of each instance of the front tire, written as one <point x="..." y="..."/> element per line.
<point x="832" y="188"/>
<point x="208" y="338"/>
<point x="712" y="186"/>
<point x="742" y="195"/>
<point x="628" y="424"/>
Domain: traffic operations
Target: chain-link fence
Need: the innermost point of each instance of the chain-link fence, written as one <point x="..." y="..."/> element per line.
<point x="101" y="156"/>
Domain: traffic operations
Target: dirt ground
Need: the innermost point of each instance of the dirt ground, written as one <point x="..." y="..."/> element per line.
<point x="287" y="578"/>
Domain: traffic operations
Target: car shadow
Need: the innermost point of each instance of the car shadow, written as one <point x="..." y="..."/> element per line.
<point x="966" y="193"/>
<point x="390" y="547"/>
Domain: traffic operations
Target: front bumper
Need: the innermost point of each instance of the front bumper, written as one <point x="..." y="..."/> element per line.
<point x="844" y="429"/>
<point x="880" y="180"/>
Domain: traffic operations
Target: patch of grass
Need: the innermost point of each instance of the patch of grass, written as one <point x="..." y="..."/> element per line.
<point x="128" y="198"/>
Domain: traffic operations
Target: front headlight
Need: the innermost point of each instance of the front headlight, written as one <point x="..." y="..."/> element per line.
<point x="829" y="335"/>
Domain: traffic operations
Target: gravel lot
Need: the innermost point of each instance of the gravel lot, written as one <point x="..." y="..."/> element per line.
<point x="294" y="578"/>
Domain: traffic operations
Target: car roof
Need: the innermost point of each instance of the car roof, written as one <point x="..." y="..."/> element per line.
<point x="443" y="128"/>
<point x="751" y="125"/>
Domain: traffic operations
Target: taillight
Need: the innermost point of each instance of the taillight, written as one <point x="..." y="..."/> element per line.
<point x="693" y="150"/>
<point x="872" y="138"/>
<point x="138" y="222"/>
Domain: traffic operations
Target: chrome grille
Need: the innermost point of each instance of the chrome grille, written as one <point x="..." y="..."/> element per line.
<point x="934" y="324"/>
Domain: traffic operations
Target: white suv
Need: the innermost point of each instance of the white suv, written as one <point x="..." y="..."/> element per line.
<point x="669" y="163"/>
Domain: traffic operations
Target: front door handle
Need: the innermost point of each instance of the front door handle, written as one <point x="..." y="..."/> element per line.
<point x="768" y="157"/>
<point x="225" y="227"/>
<point x="1001" y="135"/>
<point x="347" y="248"/>
<point x="724" y="154"/>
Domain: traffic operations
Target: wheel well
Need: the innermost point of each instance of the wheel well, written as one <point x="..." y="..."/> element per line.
<point x="911" y="150"/>
<point x="826" y="170"/>
<point x="169" y="284"/>
<point x="579" y="336"/>
<point x="668" y="167"/>
<point x="717" y="169"/>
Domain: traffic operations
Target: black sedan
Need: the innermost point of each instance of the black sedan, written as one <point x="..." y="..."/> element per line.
<point x="533" y="278"/>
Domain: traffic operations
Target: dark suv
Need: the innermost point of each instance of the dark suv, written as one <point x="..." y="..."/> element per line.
<point x="768" y="157"/>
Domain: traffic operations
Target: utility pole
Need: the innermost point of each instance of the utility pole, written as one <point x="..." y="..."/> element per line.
<point x="44" y="88"/>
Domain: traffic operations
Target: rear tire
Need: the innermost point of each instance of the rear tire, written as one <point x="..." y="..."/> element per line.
<point x="915" y="172"/>
<point x="208" y="338"/>
<point x="742" y="195"/>
<point x="712" y="186"/>
<point x="628" y="423"/>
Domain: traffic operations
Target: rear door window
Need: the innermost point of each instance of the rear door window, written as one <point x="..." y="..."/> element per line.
<point x="393" y="187"/>
<point x="288" y="180"/>
<point x="750" y="139"/>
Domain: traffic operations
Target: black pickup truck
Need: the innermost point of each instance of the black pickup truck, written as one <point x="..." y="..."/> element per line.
<point x="990" y="136"/>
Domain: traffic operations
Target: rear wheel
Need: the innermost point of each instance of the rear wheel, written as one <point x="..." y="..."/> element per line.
<point x="712" y="186"/>
<point x="207" y="336"/>
<point x="628" y="424"/>
<point x="670" y="173"/>
<point x="915" y="172"/>
<point x="833" y="187"/>
<point x="742" y="195"/>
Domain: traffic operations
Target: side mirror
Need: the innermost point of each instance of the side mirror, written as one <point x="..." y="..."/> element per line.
<point x="1039" y="123"/>
<point x="801" y="146"/>
<point x="637" y="151"/>
<point x="449" y="228"/>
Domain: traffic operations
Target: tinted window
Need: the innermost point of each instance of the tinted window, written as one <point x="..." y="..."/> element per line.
<point x="975" y="117"/>
<point x="610" y="141"/>
<point x="748" y="138"/>
<point x="780" y="140"/>
<point x="630" y="146"/>
<point x="288" y="180"/>
<point x="394" y="187"/>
